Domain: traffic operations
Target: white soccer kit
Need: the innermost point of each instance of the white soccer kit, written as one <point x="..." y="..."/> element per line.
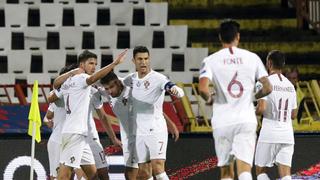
<point x="234" y="72"/>
<point x="93" y="136"/>
<point x="276" y="135"/>
<point x="75" y="150"/>
<point x="55" y="138"/>
<point x="121" y="106"/>
<point x="148" y="96"/>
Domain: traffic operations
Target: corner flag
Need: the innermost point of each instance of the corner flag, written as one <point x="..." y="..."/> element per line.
<point x="34" y="114"/>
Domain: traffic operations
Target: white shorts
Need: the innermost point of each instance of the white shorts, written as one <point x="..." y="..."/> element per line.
<point x="129" y="152"/>
<point x="235" y="141"/>
<point x="54" y="156"/>
<point x="151" y="147"/>
<point x="98" y="153"/>
<point x="267" y="154"/>
<point x="75" y="151"/>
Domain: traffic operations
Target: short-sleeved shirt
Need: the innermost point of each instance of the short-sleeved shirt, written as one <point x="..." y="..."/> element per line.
<point x="95" y="103"/>
<point x="76" y="94"/>
<point x="122" y="107"/>
<point x="147" y="101"/>
<point x="277" y="123"/>
<point x="234" y="72"/>
<point x="58" y="119"/>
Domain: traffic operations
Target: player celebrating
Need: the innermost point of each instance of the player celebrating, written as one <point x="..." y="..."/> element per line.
<point x="233" y="72"/>
<point x="276" y="141"/>
<point x="119" y="96"/>
<point x="76" y="89"/>
<point x="148" y="88"/>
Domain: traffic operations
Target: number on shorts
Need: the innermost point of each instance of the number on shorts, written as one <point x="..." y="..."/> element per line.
<point x="102" y="156"/>
<point x="235" y="82"/>
<point x="283" y="109"/>
<point x="68" y="106"/>
<point x="161" y="142"/>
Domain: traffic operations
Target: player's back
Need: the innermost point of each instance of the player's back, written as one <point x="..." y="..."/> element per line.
<point x="277" y="122"/>
<point x="234" y="72"/>
<point x="76" y="95"/>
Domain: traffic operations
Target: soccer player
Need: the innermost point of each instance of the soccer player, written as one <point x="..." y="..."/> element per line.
<point x="75" y="89"/>
<point x="118" y="96"/>
<point x="148" y="89"/>
<point x="276" y="141"/>
<point x="233" y="72"/>
<point x="93" y="136"/>
<point x="54" y="118"/>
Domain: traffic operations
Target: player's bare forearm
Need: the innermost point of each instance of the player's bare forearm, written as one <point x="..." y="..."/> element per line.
<point x="63" y="77"/>
<point x="204" y="90"/>
<point x="172" y="127"/>
<point x="294" y="113"/>
<point x="52" y="97"/>
<point x="266" y="88"/>
<point x="104" y="71"/>
<point x="261" y="107"/>
<point x="107" y="126"/>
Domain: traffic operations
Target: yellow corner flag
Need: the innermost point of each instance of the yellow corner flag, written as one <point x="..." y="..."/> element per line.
<point x="34" y="114"/>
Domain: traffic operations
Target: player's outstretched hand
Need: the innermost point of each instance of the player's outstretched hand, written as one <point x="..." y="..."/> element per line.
<point x="116" y="142"/>
<point x="120" y="57"/>
<point x="175" y="134"/>
<point x="176" y="91"/>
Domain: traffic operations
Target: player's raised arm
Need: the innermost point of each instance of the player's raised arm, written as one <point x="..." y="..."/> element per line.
<point x="62" y="78"/>
<point x="266" y="88"/>
<point x="104" y="71"/>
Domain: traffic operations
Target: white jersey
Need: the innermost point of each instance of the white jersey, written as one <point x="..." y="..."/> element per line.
<point x="277" y="123"/>
<point x="95" y="103"/>
<point x="58" y="118"/>
<point x="234" y="72"/>
<point x="76" y="93"/>
<point x="147" y="101"/>
<point x="121" y="106"/>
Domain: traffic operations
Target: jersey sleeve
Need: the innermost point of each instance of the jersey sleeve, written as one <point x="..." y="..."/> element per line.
<point x="205" y="70"/>
<point x="52" y="107"/>
<point x="163" y="80"/>
<point x="261" y="70"/>
<point x="294" y="100"/>
<point x="97" y="100"/>
<point x="83" y="80"/>
<point x="127" y="81"/>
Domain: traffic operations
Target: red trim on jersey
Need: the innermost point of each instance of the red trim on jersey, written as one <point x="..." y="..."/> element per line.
<point x="279" y="75"/>
<point x="230" y="49"/>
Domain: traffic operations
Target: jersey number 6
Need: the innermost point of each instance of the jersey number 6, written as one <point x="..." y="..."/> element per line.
<point x="235" y="82"/>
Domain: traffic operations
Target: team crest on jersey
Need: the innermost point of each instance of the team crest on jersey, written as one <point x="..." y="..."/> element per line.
<point x="146" y="84"/>
<point x="72" y="159"/>
<point x="124" y="101"/>
<point x="138" y="84"/>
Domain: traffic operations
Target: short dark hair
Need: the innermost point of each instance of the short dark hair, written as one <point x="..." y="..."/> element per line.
<point x="85" y="55"/>
<point x="108" y="78"/>
<point x="228" y="30"/>
<point x="68" y="68"/>
<point x="140" y="49"/>
<point x="277" y="58"/>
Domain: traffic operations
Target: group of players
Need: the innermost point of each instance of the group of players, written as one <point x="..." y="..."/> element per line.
<point x="137" y="101"/>
<point x="234" y="73"/>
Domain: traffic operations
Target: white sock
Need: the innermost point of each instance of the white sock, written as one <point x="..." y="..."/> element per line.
<point x="226" y="179"/>
<point x="286" y="178"/>
<point x="162" y="176"/>
<point x="151" y="178"/>
<point x="245" y="176"/>
<point x="263" y="176"/>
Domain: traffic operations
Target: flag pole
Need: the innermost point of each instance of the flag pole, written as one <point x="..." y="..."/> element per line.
<point x="32" y="149"/>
